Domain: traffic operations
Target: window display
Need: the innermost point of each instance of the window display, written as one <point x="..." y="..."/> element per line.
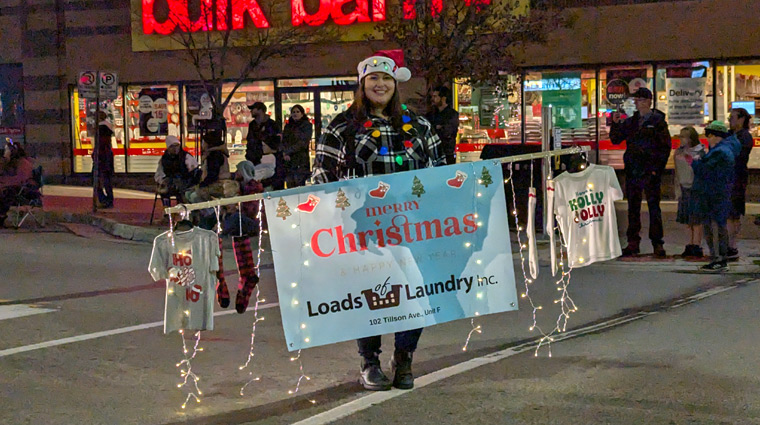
<point x="487" y="115"/>
<point x="152" y="113"/>
<point x="83" y="125"/>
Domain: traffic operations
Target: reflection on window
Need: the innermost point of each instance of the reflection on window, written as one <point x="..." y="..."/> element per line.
<point x="82" y="124"/>
<point x="739" y="87"/>
<point x="487" y="115"/>
<point x="152" y="114"/>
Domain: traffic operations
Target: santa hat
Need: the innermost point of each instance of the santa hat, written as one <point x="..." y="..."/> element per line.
<point x="390" y="62"/>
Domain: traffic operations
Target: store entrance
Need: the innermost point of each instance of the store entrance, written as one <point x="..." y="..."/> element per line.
<point x="321" y="103"/>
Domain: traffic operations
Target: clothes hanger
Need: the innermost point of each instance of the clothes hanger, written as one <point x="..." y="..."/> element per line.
<point x="184" y="224"/>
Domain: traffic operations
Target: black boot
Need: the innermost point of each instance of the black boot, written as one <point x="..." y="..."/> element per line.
<point x="631" y="250"/>
<point x="401" y="369"/>
<point x="372" y="377"/>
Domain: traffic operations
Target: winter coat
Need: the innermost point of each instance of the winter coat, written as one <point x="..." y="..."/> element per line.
<point x="17" y="173"/>
<point x="215" y="166"/>
<point x="295" y="143"/>
<point x="682" y="159"/>
<point x="713" y="179"/>
<point x="742" y="175"/>
<point x="105" y="153"/>
<point x="180" y="166"/>
<point x="648" y="144"/>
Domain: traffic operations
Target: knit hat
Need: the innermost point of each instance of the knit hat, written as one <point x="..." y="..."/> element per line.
<point x="717" y="127"/>
<point x="642" y="93"/>
<point x="390" y="62"/>
<point x="171" y="140"/>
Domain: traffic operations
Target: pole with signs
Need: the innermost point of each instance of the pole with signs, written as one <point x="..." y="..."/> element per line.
<point x="97" y="85"/>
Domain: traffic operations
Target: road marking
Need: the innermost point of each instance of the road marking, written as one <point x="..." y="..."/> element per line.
<point x="102" y="334"/>
<point x="374" y="398"/>
<point x="13" y="311"/>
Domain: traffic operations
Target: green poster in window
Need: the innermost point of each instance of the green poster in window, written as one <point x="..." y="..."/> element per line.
<point x="563" y="92"/>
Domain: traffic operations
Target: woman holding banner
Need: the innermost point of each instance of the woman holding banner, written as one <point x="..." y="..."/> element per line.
<point x="379" y="135"/>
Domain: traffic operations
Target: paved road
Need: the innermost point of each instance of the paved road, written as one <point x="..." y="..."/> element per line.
<point x="696" y="364"/>
<point x="94" y="352"/>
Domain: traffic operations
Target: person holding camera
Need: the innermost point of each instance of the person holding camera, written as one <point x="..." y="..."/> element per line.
<point x="648" y="147"/>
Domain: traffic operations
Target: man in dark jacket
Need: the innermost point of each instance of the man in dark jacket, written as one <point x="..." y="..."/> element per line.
<point x="445" y="121"/>
<point x="264" y="137"/>
<point x="647" y="151"/>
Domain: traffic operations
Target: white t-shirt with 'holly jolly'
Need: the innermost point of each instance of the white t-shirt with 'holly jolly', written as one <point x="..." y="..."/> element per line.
<point x="584" y="204"/>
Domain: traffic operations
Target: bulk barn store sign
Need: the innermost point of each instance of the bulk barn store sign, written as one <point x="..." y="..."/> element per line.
<point x="154" y="20"/>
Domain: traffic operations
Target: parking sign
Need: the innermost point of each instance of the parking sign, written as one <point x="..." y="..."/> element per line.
<point x="87" y="84"/>
<point x="109" y="85"/>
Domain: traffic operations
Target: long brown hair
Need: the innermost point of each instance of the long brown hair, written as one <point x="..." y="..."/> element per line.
<point x="360" y="107"/>
<point x="693" y="136"/>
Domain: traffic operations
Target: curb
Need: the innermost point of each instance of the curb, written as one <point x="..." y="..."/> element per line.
<point x="112" y="227"/>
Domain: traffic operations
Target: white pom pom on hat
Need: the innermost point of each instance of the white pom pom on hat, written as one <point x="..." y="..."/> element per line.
<point x="390" y="62"/>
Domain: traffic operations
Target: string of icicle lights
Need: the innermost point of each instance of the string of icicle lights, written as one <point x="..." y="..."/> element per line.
<point x="567" y="306"/>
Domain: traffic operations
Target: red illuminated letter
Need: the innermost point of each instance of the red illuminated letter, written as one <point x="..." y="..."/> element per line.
<point x="378" y="10"/>
<point x="241" y="7"/>
<point x="150" y="25"/>
<point x="359" y="14"/>
<point x="299" y="16"/>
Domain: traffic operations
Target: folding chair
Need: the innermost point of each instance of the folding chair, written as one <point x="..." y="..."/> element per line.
<point x="176" y="196"/>
<point x="29" y="198"/>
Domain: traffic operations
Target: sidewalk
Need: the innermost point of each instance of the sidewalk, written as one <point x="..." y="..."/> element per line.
<point x="130" y="219"/>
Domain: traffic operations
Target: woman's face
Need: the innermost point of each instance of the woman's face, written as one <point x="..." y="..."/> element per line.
<point x="296" y="114"/>
<point x="379" y="88"/>
<point x="684" y="136"/>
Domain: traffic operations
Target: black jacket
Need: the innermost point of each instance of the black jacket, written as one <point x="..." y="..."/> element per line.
<point x="648" y="144"/>
<point x="267" y="132"/>
<point x="445" y="125"/>
<point x="295" y="143"/>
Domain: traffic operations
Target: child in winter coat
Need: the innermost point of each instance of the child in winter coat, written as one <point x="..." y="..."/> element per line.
<point x="691" y="149"/>
<point x="713" y="180"/>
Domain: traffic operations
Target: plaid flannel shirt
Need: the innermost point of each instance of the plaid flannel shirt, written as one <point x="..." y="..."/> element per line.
<point x="378" y="149"/>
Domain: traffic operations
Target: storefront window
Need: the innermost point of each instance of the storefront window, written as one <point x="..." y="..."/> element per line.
<point x="317" y="82"/>
<point x="616" y="84"/>
<point x="152" y="114"/>
<point x="684" y="94"/>
<point x="739" y="87"/>
<point x="83" y="125"/>
<point x="487" y="115"/>
<point x="571" y="95"/>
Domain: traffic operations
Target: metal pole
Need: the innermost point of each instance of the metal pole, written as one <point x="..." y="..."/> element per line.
<point x="547" y="130"/>
<point x="95" y="146"/>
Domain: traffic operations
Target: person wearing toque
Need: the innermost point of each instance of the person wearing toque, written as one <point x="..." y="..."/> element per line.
<point x="713" y="181"/>
<point x="647" y="151"/>
<point x="379" y="135"/>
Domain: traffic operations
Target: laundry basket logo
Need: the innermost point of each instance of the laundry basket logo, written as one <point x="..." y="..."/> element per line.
<point x="376" y="301"/>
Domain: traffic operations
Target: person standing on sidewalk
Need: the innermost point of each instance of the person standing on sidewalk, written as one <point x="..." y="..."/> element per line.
<point x="264" y="138"/>
<point x="295" y="147"/>
<point x="739" y="123"/>
<point x="104" y="156"/>
<point x="713" y="180"/>
<point x="445" y="121"/>
<point x="370" y="138"/>
<point x="691" y="149"/>
<point x="647" y="151"/>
